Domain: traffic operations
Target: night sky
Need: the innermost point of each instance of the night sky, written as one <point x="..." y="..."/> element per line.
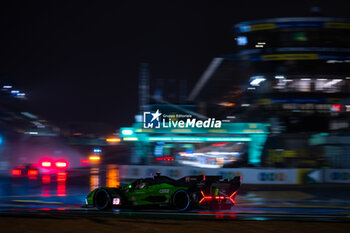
<point x="78" y="61"/>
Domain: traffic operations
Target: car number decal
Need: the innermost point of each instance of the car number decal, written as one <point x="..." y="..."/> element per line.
<point x="164" y="190"/>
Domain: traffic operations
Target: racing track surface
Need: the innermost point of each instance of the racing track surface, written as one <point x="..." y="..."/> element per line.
<point x="54" y="197"/>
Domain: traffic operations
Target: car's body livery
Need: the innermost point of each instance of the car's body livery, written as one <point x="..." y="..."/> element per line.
<point x="190" y="191"/>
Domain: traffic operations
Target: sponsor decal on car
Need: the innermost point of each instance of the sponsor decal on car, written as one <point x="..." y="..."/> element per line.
<point x="164" y="190"/>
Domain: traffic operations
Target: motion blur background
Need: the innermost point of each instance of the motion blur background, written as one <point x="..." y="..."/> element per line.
<point x="76" y="78"/>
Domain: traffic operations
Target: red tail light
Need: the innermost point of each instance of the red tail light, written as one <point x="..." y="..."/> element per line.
<point x="33" y="172"/>
<point x="208" y="198"/>
<point x="16" y="172"/>
<point x="46" y="164"/>
<point x="231" y="198"/>
<point x="205" y="197"/>
<point x="61" y="164"/>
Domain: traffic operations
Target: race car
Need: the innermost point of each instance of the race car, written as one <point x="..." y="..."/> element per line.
<point x="45" y="166"/>
<point x="29" y="170"/>
<point x="181" y="195"/>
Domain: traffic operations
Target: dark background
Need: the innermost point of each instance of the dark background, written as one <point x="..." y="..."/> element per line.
<point x="78" y="60"/>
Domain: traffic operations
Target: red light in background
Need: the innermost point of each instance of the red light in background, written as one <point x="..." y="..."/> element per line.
<point x="16" y="172"/>
<point x="46" y="179"/>
<point x="219" y="216"/>
<point x="220" y="144"/>
<point x="33" y="172"/>
<point x="61" y="164"/>
<point x="61" y="184"/>
<point x="336" y="108"/>
<point x="61" y="176"/>
<point x="165" y="159"/>
<point x="46" y="164"/>
<point x="85" y="162"/>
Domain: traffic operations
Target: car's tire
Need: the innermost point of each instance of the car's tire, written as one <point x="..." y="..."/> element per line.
<point x="102" y="200"/>
<point x="181" y="200"/>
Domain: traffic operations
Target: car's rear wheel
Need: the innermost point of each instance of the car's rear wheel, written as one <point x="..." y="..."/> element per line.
<point x="102" y="199"/>
<point x="181" y="200"/>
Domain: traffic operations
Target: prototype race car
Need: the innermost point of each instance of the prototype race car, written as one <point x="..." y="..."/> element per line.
<point x="183" y="194"/>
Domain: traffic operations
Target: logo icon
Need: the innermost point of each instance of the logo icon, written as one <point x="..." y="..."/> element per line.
<point x="151" y="120"/>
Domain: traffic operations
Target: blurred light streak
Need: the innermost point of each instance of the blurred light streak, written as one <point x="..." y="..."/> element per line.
<point x="61" y="184"/>
<point x="46" y="179"/>
<point x="112" y="179"/>
<point x="257" y="80"/>
<point x="336" y="108"/>
<point x="94" y="158"/>
<point x="130" y="139"/>
<point x="127" y="132"/>
<point x="165" y="159"/>
<point x="113" y="140"/>
<point x="85" y="162"/>
<point x="94" y="178"/>
<point x="198" y="164"/>
<point x="242" y="40"/>
<point x="220" y="144"/>
<point x="33" y="133"/>
<point x="97" y="150"/>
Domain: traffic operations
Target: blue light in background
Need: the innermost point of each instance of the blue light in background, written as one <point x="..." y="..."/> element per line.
<point x="97" y="150"/>
<point x="242" y="40"/>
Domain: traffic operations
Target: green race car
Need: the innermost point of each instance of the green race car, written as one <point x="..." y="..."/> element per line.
<point x="182" y="194"/>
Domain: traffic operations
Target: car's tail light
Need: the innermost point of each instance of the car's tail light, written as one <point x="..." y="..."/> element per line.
<point x="46" y="164"/>
<point x="33" y="172"/>
<point x="205" y="198"/>
<point x="218" y="197"/>
<point x="61" y="164"/>
<point x="16" y="172"/>
<point x="231" y="197"/>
